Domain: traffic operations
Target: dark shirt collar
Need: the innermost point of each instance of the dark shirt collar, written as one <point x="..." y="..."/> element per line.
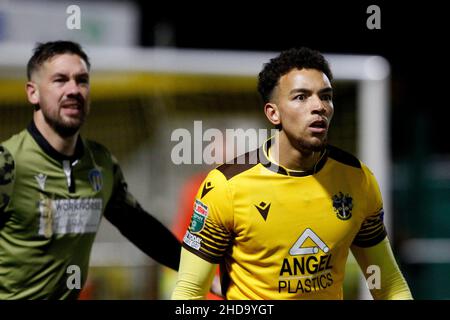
<point x="272" y="166"/>
<point x="48" y="149"/>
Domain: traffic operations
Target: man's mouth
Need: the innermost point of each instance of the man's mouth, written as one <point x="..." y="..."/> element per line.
<point x="72" y="105"/>
<point x="318" y="126"/>
<point x="72" y="108"/>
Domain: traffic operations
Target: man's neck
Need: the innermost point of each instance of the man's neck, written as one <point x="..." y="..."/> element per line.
<point x="286" y="155"/>
<point x="64" y="145"/>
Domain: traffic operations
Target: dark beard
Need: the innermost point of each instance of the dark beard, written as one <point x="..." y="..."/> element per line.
<point x="304" y="146"/>
<point x="307" y="147"/>
<point x="63" y="130"/>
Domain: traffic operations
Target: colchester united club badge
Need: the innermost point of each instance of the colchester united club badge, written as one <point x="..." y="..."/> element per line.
<point x="96" y="179"/>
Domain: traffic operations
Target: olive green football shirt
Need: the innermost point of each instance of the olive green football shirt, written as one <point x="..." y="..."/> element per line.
<point x="50" y="211"/>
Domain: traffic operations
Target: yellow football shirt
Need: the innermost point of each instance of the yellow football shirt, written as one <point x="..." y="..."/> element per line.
<point x="281" y="234"/>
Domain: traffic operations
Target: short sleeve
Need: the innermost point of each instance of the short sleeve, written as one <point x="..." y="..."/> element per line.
<point x="210" y="232"/>
<point x="372" y="229"/>
<point x="7" y="173"/>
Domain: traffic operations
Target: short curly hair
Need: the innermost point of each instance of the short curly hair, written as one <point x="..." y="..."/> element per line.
<point x="45" y="51"/>
<point x="295" y="58"/>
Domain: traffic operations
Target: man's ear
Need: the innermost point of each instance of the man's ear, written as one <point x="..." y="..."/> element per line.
<point x="272" y="113"/>
<point x="32" y="92"/>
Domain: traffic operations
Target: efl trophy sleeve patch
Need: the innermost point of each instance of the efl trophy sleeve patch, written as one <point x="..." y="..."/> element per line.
<point x="198" y="217"/>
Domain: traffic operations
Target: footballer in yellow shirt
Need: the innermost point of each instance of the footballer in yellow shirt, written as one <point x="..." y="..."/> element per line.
<point x="281" y="220"/>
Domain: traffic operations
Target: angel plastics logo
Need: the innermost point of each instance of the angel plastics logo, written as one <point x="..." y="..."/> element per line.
<point x="308" y="267"/>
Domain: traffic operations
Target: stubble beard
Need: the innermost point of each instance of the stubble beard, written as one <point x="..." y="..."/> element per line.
<point x="308" y="147"/>
<point x="63" y="127"/>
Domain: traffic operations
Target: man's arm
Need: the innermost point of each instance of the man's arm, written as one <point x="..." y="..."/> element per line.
<point x="194" y="277"/>
<point x="207" y="239"/>
<point x="7" y="170"/>
<point x="371" y="246"/>
<point x="393" y="285"/>
<point x="141" y="228"/>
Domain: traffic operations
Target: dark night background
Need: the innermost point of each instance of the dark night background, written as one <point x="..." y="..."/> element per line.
<point x="411" y="38"/>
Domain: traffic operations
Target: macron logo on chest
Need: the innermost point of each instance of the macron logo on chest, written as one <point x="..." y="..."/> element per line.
<point x="41" y="179"/>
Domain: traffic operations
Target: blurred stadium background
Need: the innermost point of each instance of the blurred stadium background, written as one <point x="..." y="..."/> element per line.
<point x="155" y="70"/>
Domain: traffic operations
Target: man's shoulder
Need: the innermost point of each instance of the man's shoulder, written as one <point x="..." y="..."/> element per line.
<point x="100" y="153"/>
<point x="6" y="162"/>
<point x="343" y="157"/>
<point x="15" y="142"/>
<point x="7" y="168"/>
<point x="239" y="165"/>
<point x="347" y="159"/>
<point x="97" y="147"/>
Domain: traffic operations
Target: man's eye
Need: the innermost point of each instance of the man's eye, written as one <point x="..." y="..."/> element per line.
<point x="300" y="97"/>
<point x="59" y="80"/>
<point x="327" y="97"/>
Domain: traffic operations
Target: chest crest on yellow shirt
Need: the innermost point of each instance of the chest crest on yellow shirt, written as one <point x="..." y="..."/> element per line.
<point x="343" y="205"/>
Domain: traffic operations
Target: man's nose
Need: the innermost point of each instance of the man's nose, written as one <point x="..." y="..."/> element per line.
<point x="73" y="88"/>
<point x="317" y="104"/>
